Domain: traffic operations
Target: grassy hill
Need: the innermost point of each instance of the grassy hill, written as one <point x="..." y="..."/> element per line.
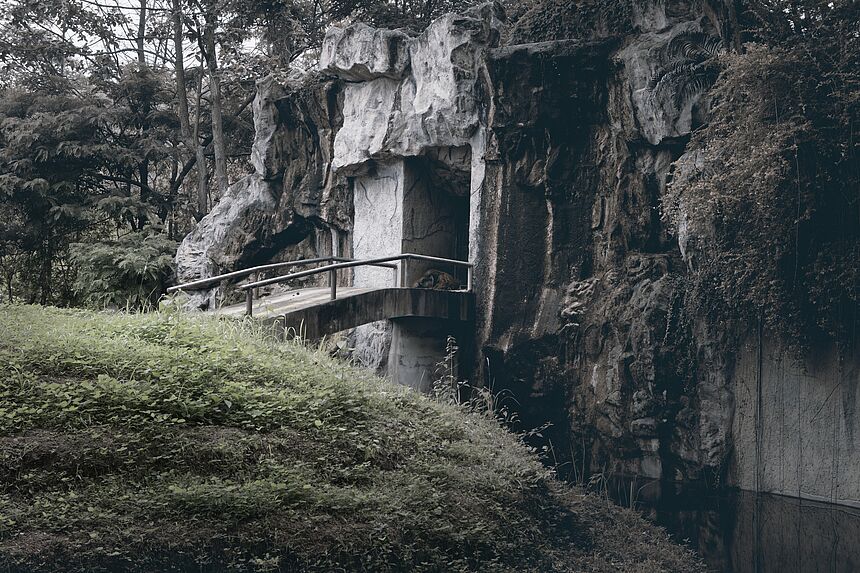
<point x="162" y="442"/>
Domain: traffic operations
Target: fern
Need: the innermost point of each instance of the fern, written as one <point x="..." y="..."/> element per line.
<point x="690" y="66"/>
<point x="693" y="46"/>
<point x="128" y="272"/>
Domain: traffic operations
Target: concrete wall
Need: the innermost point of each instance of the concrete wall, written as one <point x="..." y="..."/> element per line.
<point x="377" y="232"/>
<point x="378" y="223"/>
<point x="795" y="426"/>
<point x="404" y="206"/>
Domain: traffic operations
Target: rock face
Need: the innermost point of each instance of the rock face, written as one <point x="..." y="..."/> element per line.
<point x="292" y="206"/>
<point x="432" y="104"/>
<point x="545" y="164"/>
<point x="361" y="53"/>
<point x="584" y="307"/>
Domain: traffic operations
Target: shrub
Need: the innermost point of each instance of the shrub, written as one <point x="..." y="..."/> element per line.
<point x="768" y="191"/>
<point x="127" y="272"/>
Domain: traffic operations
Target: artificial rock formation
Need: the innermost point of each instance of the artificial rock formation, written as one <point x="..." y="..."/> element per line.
<point x="292" y="206"/>
<point x="553" y="142"/>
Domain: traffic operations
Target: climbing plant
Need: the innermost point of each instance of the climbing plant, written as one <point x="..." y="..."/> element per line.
<point x="769" y="190"/>
<point x="689" y="66"/>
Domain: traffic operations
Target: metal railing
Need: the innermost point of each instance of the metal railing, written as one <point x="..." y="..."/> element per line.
<point x="332" y="269"/>
<point x="201" y="284"/>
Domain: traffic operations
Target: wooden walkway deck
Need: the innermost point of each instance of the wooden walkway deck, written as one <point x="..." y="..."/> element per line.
<point x="291" y="301"/>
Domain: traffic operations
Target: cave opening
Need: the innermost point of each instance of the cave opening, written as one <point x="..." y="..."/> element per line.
<point x="436" y="210"/>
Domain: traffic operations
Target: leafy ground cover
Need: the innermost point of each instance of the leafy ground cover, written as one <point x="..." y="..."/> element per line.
<point x="163" y="442"/>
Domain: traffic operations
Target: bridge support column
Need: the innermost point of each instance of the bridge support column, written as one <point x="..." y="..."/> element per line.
<point x="418" y="346"/>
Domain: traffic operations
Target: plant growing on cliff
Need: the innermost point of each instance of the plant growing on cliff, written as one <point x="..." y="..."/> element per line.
<point x="766" y="196"/>
<point x="689" y="66"/>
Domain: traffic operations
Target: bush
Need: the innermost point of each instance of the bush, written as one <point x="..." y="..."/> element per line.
<point x="768" y="192"/>
<point x="129" y="272"/>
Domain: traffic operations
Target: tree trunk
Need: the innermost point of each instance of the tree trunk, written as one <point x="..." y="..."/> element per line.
<point x="181" y="91"/>
<point x="145" y="193"/>
<point x="141" y="33"/>
<point x="199" y="151"/>
<point x="190" y="140"/>
<point x="218" y="145"/>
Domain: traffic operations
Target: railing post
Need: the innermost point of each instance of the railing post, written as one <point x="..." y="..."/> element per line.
<point x="249" y="302"/>
<point x="395" y="274"/>
<point x="332" y="282"/>
<point x="404" y="263"/>
<point x="469" y="278"/>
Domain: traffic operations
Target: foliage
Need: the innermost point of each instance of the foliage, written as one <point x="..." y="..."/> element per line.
<point x="130" y="271"/>
<point x="158" y="442"/>
<point x="548" y="20"/>
<point x="689" y="66"/>
<point x="67" y="164"/>
<point x="89" y="137"/>
<point x="412" y="15"/>
<point x="449" y="388"/>
<point x="768" y="188"/>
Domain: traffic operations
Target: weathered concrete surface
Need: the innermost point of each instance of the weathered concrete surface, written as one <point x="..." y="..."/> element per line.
<point x="378" y="220"/>
<point x="288" y="302"/>
<point x="377" y="232"/>
<point x="795" y="427"/>
<point x="418" y="346"/>
<point x="379" y="304"/>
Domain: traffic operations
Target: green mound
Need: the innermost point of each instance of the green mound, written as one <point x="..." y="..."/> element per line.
<point x="168" y="443"/>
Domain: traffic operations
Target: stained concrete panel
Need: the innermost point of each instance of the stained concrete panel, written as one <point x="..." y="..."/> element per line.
<point x="795" y="429"/>
<point x="417" y="349"/>
<point x="378" y="221"/>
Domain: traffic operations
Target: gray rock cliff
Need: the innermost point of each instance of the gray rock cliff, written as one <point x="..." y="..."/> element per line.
<point x="561" y="137"/>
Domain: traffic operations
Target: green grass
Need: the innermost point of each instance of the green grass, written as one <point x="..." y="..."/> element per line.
<point x="163" y="442"/>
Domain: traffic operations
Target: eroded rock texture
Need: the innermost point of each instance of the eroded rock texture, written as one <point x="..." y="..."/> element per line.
<point x="581" y="142"/>
<point x="292" y="206"/>
<point x="561" y="131"/>
<point x="432" y="104"/>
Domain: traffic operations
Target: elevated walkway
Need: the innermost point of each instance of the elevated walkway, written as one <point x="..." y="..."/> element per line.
<point x="320" y="311"/>
<point x="311" y="313"/>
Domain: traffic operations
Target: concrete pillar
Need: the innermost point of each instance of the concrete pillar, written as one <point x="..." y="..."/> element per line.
<point x="418" y="345"/>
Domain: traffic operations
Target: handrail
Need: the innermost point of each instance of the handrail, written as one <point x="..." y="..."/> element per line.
<point x="332" y="269"/>
<point x="356" y="263"/>
<point x="209" y="281"/>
